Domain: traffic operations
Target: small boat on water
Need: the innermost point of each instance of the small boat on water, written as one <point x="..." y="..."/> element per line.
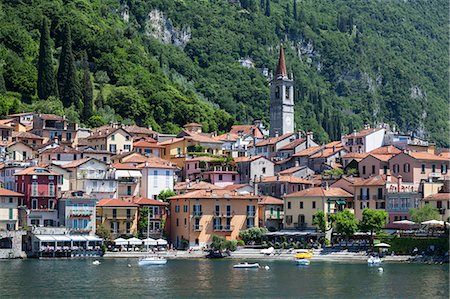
<point x="304" y="254"/>
<point x="246" y="266"/>
<point x="150" y="261"/>
<point x="373" y="260"/>
<point x="96" y="263"/>
<point x="303" y="262"/>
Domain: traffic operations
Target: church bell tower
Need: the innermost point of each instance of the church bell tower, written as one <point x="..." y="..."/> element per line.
<point x="281" y="100"/>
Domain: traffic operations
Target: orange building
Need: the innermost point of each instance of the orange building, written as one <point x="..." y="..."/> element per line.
<point x="197" y="216"/>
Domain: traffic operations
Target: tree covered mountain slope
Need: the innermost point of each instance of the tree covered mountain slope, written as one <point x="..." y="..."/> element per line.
<point x="164" y="63"/>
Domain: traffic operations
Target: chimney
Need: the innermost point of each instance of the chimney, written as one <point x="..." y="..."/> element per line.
<point x="326" y="186"/>
<point x="334" y="148"/>
<point x="309" y="138"/>
<point x="299" y="134"/>
<point x="297" y="164"/>
<point x="276" y="134"/>
<point x="388" y="177"/>
<point x="399" y="184"/>
<point x="56" y="139"/>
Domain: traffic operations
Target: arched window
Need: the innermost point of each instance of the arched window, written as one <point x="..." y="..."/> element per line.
<point x="277" y="92"/>
<point x="396" y="168"/>
<point x="406" y="167"/>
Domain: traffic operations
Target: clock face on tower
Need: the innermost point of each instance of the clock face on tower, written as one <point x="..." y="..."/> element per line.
<point x="288" y="120"/>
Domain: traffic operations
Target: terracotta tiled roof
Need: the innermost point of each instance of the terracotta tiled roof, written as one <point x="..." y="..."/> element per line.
<point x="307" y="152"/>
<point x="61" y="150"/>
<point x="36" y="170"/>
<point x="336" y="144"/>
<point x="377" y="180"/>
<point x="2" y="126"/>
<point x="356" y="156"/>
<point x="104" y="131"/>
<point x="291" y="170"/>
<point x="269" y="200"/>
<point x="445" y="154"/>
<point x="51" y="117"/>
<point x="362" y="133"/>
<point x="198" y="137"/>
<point x="6" y="192"/>
<point x="25" y="135"/>
<point x="247" y="159"/>
<point x="76" y="163"/>
<point x="427" y="156"/>
<point x="274" y="140"/>
<point x="20" y="114"/>
<point x="293" y="144"/>
<point x="213" y="194"/>
<point x="234" y="187"/>
<point x="321" y="192"/>
<point x="139" y="130"/>
<point x="196" y="186"/>
<point x="147" y="143"/>
<point x="438" y="196"/>
<point x="144" y="201"/>
<point x="95" y="151"/>
<point x="287" y="179"/>
<point x="155" y="162"/>
<point x="327" y="152"/>
<point x="227" y="137"/>
<point x="114" y="202"/>
<point x="243" y="129"/>
<point x="385" y="150"/>
<point x="124" y="166"/>
<point x="170" y="141"/>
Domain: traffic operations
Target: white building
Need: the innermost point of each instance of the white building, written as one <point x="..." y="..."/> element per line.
<point x="156" y="177"/>
<point x="9" y="215"/>
<point x="365" y="140"/>
<point x="92" y="176"/>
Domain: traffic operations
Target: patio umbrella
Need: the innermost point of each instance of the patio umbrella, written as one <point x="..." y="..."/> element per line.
<point x="134" y="241"/>
<point x="433" y="223"/>
<point x="150" y="242"/>
<point x="161" y="242"/>
<point x="120" y="241"/>
<point x="405" y="221"/>
<point x="382" y="245"/>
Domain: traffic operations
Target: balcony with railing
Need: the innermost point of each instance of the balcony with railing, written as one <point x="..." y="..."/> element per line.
<point x="127" y="180"/>
<point x="95" y="176"/>
<point x="81" y="212"/>
<point x="223" y="228"/>
<point x="377" y="197"/>
<point x="197" y="228"/>
<point x="363" y="197"/>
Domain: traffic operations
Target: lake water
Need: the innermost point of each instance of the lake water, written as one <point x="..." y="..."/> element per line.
<point x="206" y="278"/>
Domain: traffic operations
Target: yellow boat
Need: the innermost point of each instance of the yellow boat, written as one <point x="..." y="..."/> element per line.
<point x="304" y="255"/>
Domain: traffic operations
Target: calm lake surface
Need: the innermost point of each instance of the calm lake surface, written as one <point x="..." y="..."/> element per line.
<point x="206" y="278"/>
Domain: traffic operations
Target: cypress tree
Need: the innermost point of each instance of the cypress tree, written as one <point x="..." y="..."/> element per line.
<point x="2" y="82"/>
<point x="326" y="123"/>
<point x="46" y="84"/>
<point x="295" y="10"/>
<point x="267" y="13"/>
<point x="68" y="85"/>
<point x="88" y="95"/>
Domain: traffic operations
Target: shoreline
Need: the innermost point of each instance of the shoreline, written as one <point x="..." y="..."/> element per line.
<point x="249" y="254"/>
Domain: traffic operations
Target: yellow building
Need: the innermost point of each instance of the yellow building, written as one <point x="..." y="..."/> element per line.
<point x="114" y="139"/>
<point x="9" y="215"/>
<point x="440" y="201"/>
<point x="118" y="215"/>
<point x="197" y="216"/>
<point x="300" y="207"/>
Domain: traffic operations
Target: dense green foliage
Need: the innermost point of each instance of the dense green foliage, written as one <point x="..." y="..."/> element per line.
<point x="373" y="220"/>
<point x="424" y="213"/>
<point x="220" y="243"/>
<point x="253" y="234"/>
<point x="354" y="62"/>
<point x="320" y="220"/>
<point x="406" y="245"/>
<point x="344" y="223"/>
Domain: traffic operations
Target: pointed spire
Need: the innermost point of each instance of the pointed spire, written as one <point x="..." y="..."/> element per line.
<point x="281" y="67"/>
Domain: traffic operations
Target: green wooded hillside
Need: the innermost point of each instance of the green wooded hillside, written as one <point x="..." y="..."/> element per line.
<point x="354" y="62"/>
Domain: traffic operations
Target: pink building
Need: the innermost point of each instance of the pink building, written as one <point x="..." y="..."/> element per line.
<point x="417" y="166"/>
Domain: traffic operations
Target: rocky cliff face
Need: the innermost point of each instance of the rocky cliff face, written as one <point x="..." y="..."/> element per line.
<point x="160" y="27"/>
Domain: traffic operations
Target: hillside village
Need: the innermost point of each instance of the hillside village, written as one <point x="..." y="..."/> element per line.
<point x="63" y="183"/>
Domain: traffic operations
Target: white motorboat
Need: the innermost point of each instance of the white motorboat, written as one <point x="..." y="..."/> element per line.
<point x="302" y="262"/>
<point x="268" y="251"/>
<point x="96" y="263"/>
<point x="373" y="260"/>
<point x="149" y="261"/>
<point x="246" y="266"/>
